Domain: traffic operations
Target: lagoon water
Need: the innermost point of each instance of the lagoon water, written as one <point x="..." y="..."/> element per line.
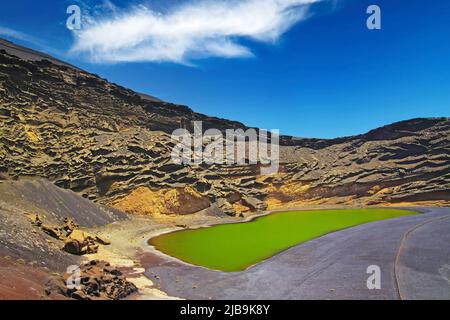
<point x="235" y="247"/>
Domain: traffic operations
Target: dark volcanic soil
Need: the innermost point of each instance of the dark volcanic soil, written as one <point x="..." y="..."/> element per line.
<point x="20" y="239"/>
<point x="20" y="281"/>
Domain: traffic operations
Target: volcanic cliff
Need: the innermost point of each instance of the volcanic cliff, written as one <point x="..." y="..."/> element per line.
<point x="112" y="146"/>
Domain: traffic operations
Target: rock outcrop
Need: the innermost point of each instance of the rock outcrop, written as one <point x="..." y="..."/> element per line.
<point x="28" y="255"/>
<point x="144" y="201"/>
<point x="76" y="241"/>
<point x="79" y="242"/>
<point x="95" y="280"/>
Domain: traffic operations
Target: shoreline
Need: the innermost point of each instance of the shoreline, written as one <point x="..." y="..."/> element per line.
<point x="313" y="265"/>
<point x="130" y="248"/>
<point x="152" y="249"/>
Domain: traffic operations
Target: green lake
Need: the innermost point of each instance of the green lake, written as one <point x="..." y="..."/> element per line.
<point x="235" y="247"/>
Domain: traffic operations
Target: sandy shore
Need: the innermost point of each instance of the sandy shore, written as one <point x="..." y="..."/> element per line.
<point x="130" y="251"/>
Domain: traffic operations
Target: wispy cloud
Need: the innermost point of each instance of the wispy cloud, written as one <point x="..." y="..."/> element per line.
<point x="18" y="35"/>
<point x="7" y="32"/>
<point x="188" y="31"/>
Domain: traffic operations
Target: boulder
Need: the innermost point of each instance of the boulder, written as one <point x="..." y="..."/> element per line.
<point x="98" y="280"/>
<point x="80" y="236"/>
<point x="225" y="207"/>
<point x="69" y="225"/>
<point x="234" y="197"/>
<point x="254" y="203"/>
<point x="73" y="247"/>
<point x="80" y="242"/>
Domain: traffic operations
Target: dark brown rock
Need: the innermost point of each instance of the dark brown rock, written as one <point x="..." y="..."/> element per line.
<point x="225" y="207"/>
<point x="98" y="280"/>
<point x="53" y="231"/>
<point x="254" y="203"/>
<point x="81" y="243"/>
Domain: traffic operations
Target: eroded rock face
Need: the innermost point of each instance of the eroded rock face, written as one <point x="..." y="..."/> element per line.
<point x="254" y="204"/>
<point x="144" y="201"/>
<point x="98" y="281"/>
<point x="107" y="143"/>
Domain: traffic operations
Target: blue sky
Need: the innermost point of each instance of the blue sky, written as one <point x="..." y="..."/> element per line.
<point x="323" y="75"/>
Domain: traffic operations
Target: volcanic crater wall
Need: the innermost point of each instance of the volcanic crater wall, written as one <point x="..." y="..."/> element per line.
<point x="105" y="142"/>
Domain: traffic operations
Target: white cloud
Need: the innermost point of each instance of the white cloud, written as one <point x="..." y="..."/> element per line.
<point x="193" y="30"/>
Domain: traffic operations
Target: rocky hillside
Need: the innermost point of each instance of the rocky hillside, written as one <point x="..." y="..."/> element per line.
<point x="22" y="236"/>
<point x="404" y="162"/>
<point x="112" y="146"/>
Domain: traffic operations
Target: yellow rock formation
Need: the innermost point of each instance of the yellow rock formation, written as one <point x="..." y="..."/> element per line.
<point x="144" y="201"/>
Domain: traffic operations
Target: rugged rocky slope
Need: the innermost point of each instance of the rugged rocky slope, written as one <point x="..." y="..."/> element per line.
<point x="405" y="162"/>
<point x="21" y="237"/>
<point x="34" y="214"/>
<point x="111" y="144"/>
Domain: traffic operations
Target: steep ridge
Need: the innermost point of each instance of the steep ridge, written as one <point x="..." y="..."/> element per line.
<point x="107" y="143"/>
<point x="29" y="54"/>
